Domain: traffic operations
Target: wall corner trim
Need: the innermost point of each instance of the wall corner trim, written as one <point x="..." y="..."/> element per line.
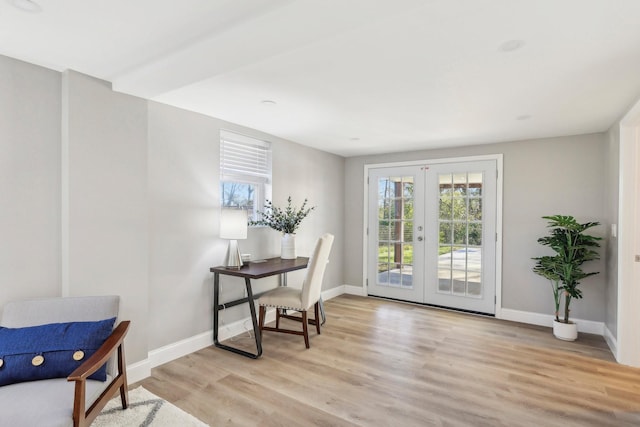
<point x="611" y="340"/>
<point x="355" y="290"/>
<point x="333" y="292"/>
<point x="138" y="371"/>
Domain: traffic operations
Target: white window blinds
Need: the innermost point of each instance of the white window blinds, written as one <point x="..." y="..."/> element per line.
<point x="244" y="159"/>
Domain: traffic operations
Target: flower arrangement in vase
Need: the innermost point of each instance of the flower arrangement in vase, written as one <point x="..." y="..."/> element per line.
<point x="286" y="221"/>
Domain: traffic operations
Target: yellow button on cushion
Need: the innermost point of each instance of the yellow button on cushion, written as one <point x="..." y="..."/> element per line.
<point x="78" y="355"/>
<point x="37" y="360"/>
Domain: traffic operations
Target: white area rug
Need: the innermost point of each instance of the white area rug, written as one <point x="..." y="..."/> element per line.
<point x="145" y="409"/>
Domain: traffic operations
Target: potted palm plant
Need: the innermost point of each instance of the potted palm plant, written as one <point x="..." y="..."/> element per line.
<point x="286" y="221"/>
<point x="572" y="248"/>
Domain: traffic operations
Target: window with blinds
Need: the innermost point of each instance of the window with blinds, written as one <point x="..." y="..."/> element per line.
<point x="245" y="171"/>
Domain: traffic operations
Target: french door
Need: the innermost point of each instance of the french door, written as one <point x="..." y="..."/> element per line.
<point x="432" y="234"/>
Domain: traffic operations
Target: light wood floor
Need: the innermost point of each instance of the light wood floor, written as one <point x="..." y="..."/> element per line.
<point x="382" y="363"/>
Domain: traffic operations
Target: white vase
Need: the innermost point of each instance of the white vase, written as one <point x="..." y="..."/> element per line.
<point x="288" y="246"/>
<point x="565" y="331"/>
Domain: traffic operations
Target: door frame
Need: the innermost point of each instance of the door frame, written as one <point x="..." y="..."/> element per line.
<point x="627" y="345"/>
<point x="498" y="257"/>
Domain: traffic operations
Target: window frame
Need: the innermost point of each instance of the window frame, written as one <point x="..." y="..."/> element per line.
<point x="246" y="160"/>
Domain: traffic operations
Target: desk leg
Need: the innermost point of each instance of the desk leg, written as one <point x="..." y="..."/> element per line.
<point x="322" y="314"/>
<point x="254" y="318"/>
<point x="216" y="301"/>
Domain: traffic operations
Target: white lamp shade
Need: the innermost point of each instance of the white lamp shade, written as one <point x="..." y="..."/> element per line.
<point x="233" y="224"/>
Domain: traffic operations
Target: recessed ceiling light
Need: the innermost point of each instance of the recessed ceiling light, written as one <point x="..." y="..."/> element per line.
<point x="27" y="6"/>
<point x="268" y="102"/>
<point x="511" y="45"/>
<point x="355" y="138"/>
<point x="523" y="117"/>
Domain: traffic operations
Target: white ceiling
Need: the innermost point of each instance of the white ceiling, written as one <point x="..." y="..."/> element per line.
<point x="354" y="77"/>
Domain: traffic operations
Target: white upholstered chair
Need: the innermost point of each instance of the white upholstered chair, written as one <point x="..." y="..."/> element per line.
<point x="301" y="300"/>
<point x="75" y="400"/>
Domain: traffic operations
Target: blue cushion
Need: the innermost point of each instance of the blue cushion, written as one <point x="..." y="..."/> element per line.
<point x="50" y="351"/>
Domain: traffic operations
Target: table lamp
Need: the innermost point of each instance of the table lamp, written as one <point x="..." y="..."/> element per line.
<point x="233" y="226"/>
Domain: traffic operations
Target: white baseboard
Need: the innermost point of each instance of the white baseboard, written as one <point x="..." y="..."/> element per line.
<point x="612" y="342"/>
<point x="343" y="289"/>
<point x="354" y="290"/>
<point x="587" y="326"/>
<point x="175" y="350"/>
<point x="138" y="371"/>
<point x="332" y="293"/>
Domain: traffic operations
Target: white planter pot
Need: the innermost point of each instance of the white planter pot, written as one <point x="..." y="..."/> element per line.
<point x="565" y="331"/>
<point x="288" y="246"/>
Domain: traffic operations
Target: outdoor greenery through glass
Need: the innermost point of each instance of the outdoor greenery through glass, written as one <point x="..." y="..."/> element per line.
<point x="460" y="234"/>
<point x="238" y="195"/>
<point x="395" y="231"/>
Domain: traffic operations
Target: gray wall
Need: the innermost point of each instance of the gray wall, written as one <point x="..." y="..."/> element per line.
<point x="564" y="175"/>
<point x="29" y="181"/>
<point x="105" y="193"/>
<point x="104" y="200"/>
<point x="183" y="243"/>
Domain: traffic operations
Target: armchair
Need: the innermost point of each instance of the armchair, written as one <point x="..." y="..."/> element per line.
<point x="64" y="401"/>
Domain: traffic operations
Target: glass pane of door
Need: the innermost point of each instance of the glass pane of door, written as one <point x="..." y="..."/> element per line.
<point x="460" y="237"/>
<point x="431" y="234"/>
<point x="461" y="241"/>
<point x="395" y="200"/>
<point x="395" y="230"/>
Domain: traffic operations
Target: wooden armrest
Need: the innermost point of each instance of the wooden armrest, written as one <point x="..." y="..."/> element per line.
<point x="100" y="357"/>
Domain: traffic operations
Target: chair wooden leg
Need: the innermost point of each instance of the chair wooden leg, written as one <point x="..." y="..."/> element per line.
<point x="316" y="310"/>
<point x="305" y="329"/>
<point x="261" y="316"/>
<point x="124" y="396"/>
<point x="122" y="370"/>
<point x="303" y="318"/>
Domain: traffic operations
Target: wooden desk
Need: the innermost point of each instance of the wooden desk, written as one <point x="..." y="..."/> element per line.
<point x="253" y="270"/>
